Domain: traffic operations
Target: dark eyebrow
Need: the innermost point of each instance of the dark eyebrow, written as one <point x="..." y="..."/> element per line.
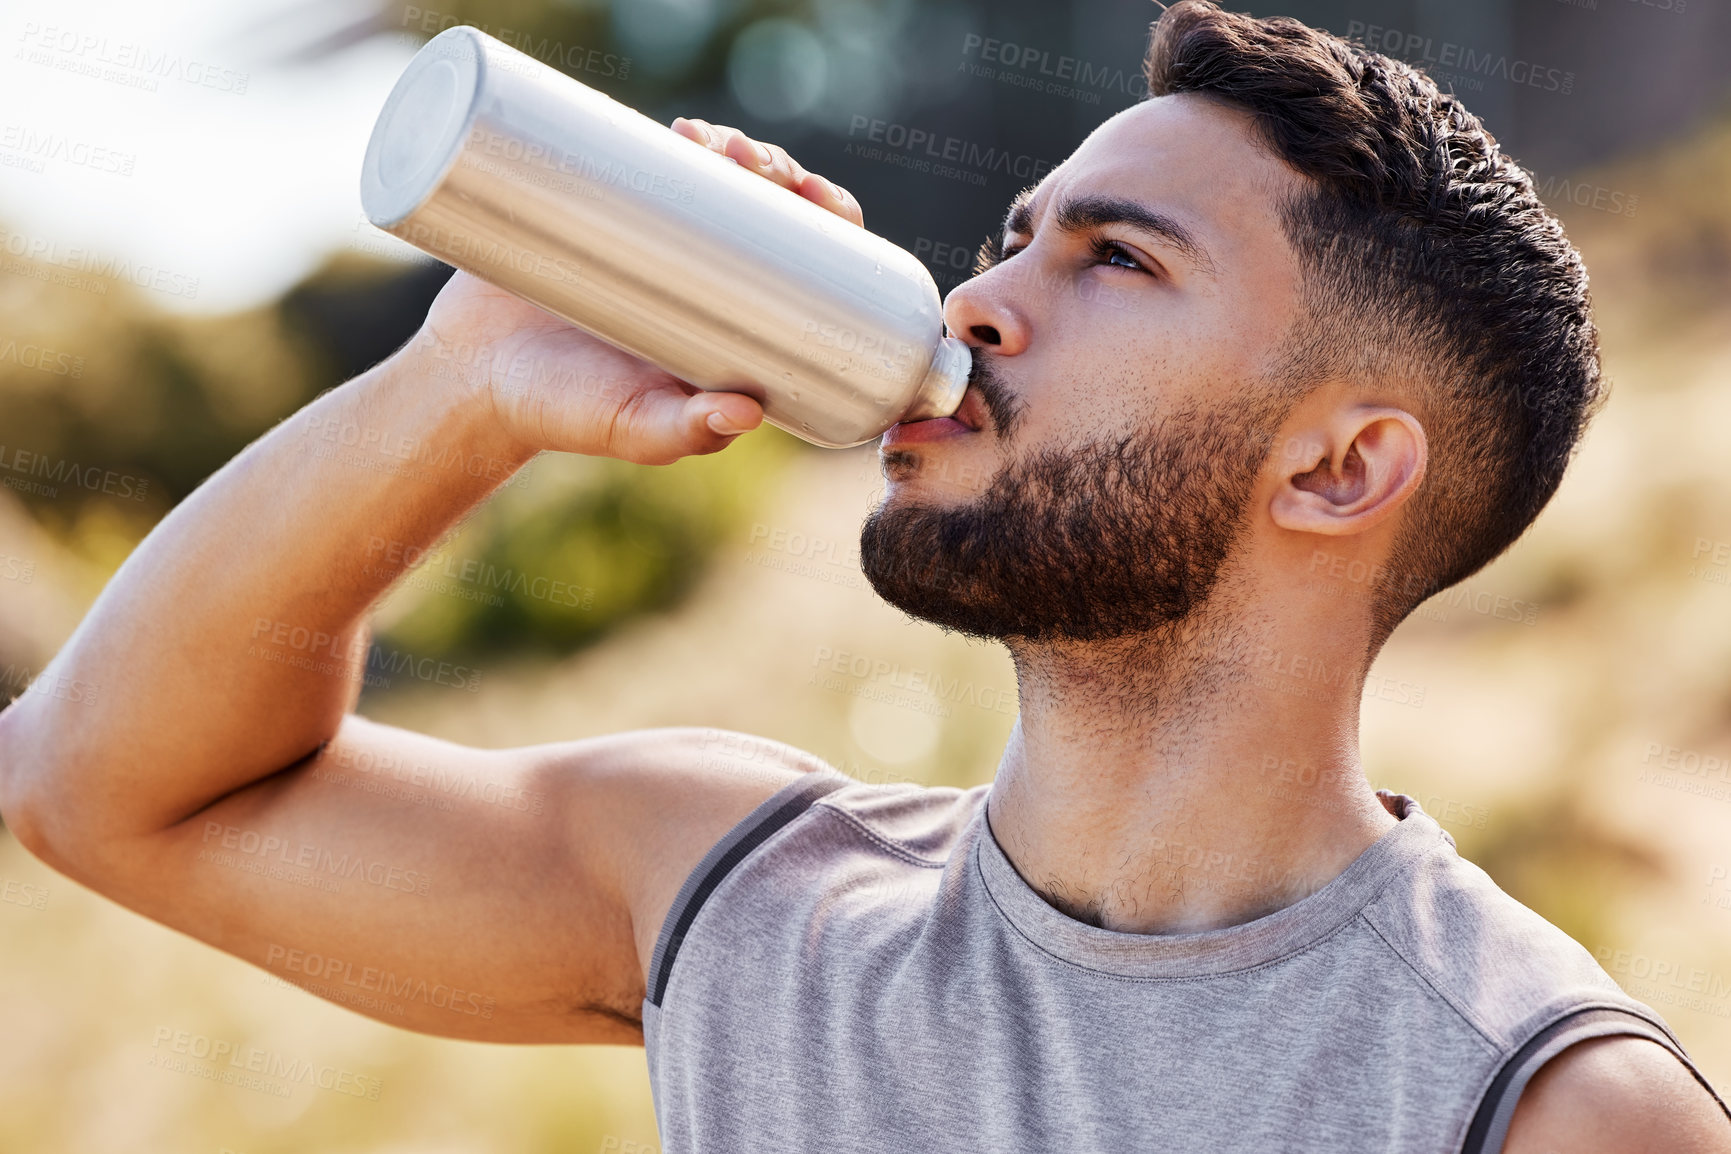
<point x="1021" y="215"/>
<point x="1086" y="212"/>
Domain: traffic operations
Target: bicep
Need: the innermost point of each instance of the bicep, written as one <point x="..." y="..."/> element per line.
<point x="431" y="886"/>
<point x="506" y="896"/>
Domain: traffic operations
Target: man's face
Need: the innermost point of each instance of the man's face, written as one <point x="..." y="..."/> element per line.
<point x="1120" y="349"/>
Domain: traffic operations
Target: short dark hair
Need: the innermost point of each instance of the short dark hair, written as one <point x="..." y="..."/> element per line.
<point x="1427" y="258"/>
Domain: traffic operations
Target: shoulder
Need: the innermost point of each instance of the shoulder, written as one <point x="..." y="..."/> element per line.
<point x="1502" y="966"/>
<point x="1617" y="1094"/>
<point x="661" y="800"/>
<point x="655" y="801"/>
<point x="918" y="823"/>
<point x="1512" y="974"/>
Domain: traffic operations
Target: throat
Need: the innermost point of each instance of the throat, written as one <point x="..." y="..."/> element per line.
<point x="1185" y="859"/>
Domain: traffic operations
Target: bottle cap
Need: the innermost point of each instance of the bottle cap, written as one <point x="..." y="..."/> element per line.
<point x="422" y="127"/>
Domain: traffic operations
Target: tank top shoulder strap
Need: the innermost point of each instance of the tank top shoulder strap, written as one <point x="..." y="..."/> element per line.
<point x="1490" y="1124"/>
<point x="773" y="814"/>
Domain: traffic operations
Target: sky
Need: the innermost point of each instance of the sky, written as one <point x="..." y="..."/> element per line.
<point x="169" y="141"/>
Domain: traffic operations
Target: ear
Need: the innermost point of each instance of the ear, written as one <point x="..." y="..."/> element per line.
<point x="1359" y="466"/>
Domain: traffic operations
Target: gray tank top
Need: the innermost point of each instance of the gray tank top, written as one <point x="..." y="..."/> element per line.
<point x="858" y="968"/>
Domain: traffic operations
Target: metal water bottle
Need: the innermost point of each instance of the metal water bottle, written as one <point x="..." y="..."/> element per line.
<point x="496" y="163"/>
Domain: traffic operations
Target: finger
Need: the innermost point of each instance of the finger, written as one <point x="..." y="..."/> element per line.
<point x="744" y="151"/>
<point x="732" y="144"/>
<point x="703" y="132"/>
<point x="825" y="193"/>
<point x="711" y="136"/>
<point x="767" y="160"/>
<point x="772" y="161"/>
<point x="757" y="156"/>
<point x="785" y="170"/>
<point x="692" y="129"/>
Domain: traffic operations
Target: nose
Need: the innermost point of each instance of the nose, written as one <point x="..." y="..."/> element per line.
<point x="982" y="313"/>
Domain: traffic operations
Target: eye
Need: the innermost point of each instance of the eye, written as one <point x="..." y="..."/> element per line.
<point x="992" y="253"/>
<point x="1106" y="252"/>
<point x="1112" y="253"/>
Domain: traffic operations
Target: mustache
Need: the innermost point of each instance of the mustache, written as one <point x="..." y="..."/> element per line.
<point x="1001" y="401"/>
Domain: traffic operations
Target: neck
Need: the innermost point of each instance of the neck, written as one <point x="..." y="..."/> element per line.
<point x="1177" y="782"/>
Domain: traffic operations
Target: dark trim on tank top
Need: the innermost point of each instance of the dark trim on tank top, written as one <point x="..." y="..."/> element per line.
<point x="1490" y="1125"/>
<point x="757" y="827"/>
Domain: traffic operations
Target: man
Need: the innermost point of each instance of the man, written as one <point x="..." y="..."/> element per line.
<point x="1297" y="302"/>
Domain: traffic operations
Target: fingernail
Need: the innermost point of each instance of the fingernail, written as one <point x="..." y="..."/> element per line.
<point x="764" y="156"/>
<point x="719" y="423"/>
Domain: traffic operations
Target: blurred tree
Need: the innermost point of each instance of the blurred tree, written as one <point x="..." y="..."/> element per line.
<point x="111" y="413"/>
<point x="1555" y="856"/>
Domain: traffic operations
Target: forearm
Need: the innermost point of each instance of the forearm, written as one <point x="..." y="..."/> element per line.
<point x="233" y="640"/>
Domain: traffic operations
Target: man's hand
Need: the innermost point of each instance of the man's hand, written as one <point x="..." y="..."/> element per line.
<point x="773" y="162"/>
<point x="553" y="386"/>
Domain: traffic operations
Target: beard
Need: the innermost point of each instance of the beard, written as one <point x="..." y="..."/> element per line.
<point x="1116" y="537"/>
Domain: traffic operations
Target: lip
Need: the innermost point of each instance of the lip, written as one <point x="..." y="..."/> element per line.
<point x="968" y="418"/>
<point x="920" y="432"/>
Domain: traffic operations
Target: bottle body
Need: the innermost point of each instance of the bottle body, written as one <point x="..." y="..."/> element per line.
<point x="504" y="167"/>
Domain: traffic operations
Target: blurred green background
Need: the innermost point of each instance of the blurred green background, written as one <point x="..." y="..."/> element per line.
<point x="709" y="592"/>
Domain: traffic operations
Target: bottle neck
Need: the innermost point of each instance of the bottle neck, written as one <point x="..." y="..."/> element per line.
<point x="946" y="382"/>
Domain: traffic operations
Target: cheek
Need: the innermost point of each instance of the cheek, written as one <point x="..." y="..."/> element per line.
<point x="1223" y="343"/>
<point x="1150" y="365"/>
<point x="1117" y="366"/>
<point x="1133" y="325"/>
<point x="1101" y="392"/>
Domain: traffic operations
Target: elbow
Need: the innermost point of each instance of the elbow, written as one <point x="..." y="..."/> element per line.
<point x="22" y="784"/>
<point x="57" y="821"/>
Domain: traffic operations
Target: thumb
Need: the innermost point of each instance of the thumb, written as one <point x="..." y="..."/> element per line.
<point x="663" y="425"/>
<point x="726" y="414"/>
